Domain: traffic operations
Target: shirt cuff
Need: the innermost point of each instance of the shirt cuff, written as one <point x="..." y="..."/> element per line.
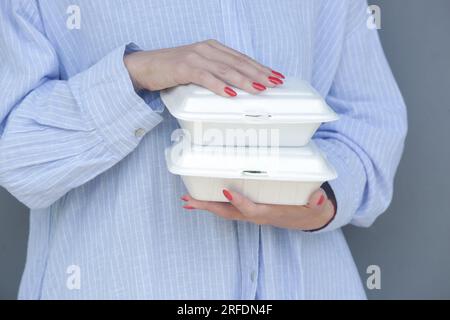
<point x="108" y="100"/>
<point x="348" y="187"/>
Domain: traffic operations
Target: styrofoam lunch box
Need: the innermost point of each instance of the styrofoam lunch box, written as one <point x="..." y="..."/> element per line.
<point x="285" y="116"/>
<point x="266" y="175"/>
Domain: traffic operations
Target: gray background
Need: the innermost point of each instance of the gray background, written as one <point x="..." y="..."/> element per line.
<point x="411" y="241"/>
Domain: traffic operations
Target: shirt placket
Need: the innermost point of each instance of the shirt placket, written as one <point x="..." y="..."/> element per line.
<point x="237" y="32"/>
<point x="248" y="239"/>
<point x="237" y="35"/>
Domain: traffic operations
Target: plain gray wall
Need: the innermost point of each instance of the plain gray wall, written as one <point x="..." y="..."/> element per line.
<point x="411" y="241"/>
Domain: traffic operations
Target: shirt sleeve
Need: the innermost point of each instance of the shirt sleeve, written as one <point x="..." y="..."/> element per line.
<point x="366" y="144"/>
<point x="56" y="135"/>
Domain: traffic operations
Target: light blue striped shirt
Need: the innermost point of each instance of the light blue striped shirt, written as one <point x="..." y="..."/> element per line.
<point x="106" y="218"/>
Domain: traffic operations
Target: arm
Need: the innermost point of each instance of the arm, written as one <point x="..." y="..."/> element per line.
<point x="366" y="144"/>
<point x="56" y="135"/>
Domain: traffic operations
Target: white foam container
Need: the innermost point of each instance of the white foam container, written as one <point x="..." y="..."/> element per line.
<point x="285" y="116"/>
<point x="266" y="175"/>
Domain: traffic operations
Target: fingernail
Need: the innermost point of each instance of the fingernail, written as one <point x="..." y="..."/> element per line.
<point x="188" y="207"/>
<point x="227" y="195"/>
<point x="185" y="198"/>
<point x="278" y="74"/>
<point x="230" y="92"/>
<point x="321" y="200"/>
<point x="258" y="86"/>
<point x="275" y="80"/>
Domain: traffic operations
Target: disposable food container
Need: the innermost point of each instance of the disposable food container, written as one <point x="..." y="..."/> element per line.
<point x="285" y="116"/>
<point x="266" y="175"/>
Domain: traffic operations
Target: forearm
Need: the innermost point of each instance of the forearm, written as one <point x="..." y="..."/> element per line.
<point x="65" y="133"/>
<point x="366" y="144"/>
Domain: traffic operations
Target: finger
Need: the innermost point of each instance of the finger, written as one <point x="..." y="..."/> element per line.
<point x="317" y="200"/>
<point x="252" y="211"/>
<point x="233" y="77"/>
<point x="242" y="64"/>
<point x="328" y="207"/>
<point x="321" y="217"/>
<point x="207" y="80"/>
<point x="224" y="210"/>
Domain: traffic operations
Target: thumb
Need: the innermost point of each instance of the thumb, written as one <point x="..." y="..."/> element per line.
<point x="243" y="204"/>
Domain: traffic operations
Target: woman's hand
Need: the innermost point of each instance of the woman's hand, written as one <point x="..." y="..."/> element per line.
<point x="317" y="214"/>
<point x="209" y="64"/>
<point x="214" y="66"/>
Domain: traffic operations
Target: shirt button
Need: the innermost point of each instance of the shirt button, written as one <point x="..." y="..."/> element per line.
<point x="253" y="276"/>
<point x="139" y="133"/>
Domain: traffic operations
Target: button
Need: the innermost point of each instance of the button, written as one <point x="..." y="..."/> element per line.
<point x="253" y="276"/>
<point x="139" y="133"/>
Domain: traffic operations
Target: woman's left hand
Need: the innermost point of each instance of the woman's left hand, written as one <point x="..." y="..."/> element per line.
<point x="317" y="214"/>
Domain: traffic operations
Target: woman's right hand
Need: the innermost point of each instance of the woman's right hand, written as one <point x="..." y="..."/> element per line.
<point x="209" y="64"/>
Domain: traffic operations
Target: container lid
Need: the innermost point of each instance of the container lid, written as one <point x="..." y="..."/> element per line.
<point x="294" y="102"/>
<point x="283" y="164"/>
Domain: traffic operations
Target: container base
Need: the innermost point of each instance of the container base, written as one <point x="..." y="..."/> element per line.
<point x="259" y="191"/>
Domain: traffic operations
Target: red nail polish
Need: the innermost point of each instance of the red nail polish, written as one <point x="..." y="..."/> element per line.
<point x="185" y="198"/>
<point x="258" y="86"/>
<point x="321" y="200"/>
<point x="188" y="207"/>
<point x="280" y="75"/>
<point x="227" y="195"/>
<point x="275" y="80"/>
<point x="230" y="92"/>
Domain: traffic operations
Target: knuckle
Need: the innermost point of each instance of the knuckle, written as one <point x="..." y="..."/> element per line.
<point x="201" y="46"/>
<point x="238" y="202"/>
<point x="242" y="81"/>
<point x="245" y="57"/>
<point x="192" y="56"/>
<point x="182" y="66"/>
<point x="240" y="62"/>
<point x="223" y="69"/>
<point x="182" y="69"/>
<point x="201" y="76"/>
<point x="261" y="75"/>
<point x="266" y="71"/>
<point x="212" y="41"/>
<point x="181" y="72"/>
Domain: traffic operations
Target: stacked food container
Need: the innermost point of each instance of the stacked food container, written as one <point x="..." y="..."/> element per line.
<point x="258" y="145"/>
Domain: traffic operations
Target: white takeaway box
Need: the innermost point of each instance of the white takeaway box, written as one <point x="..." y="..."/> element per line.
<point x="266" y="175"/>
<point x="285" y="116"/>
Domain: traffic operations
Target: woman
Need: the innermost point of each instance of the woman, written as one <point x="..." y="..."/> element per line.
<point x="83" y="133"/>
